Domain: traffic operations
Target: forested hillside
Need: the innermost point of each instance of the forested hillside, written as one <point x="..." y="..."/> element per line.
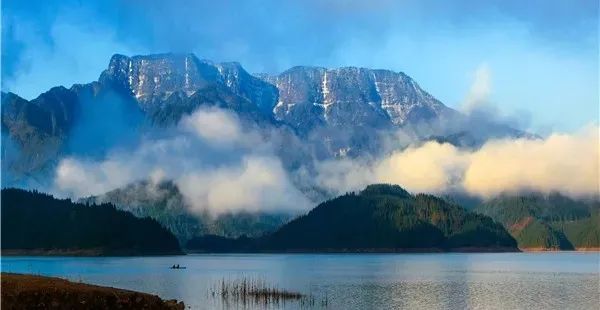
<point x="552" y="222"/>
<point x="38" y="223"/>
<point x="381" y="218"/>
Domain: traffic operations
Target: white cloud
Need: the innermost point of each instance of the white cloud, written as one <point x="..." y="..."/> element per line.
<point x="561" y="162"/>
<point x="258" y="184"/>
<point x="432" y="167"/>
<point x="80" y="178"/>
<point x="216" y="126"/>
<point x="242" y="176"/>
<point x="568" y="163"/>
<point x="343" y="175"/>
<point x="222" y="166"/>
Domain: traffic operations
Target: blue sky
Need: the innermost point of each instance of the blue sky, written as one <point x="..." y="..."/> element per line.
<point x="540" y="58"/>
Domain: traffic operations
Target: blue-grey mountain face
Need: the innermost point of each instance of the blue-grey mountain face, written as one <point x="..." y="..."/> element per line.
<point x="32" y="132"/>
<point x="302" y="97"/>
<point x="312" y="96"/>
<point x="339" y="112"/>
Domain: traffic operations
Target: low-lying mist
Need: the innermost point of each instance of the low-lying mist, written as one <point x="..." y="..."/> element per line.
<point x="567" y="163"/>
<point x="222" y="164"/>
<point x="218" y="163"/>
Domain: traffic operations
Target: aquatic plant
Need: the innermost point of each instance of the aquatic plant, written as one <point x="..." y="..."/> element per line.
<point x="253" y="291"/>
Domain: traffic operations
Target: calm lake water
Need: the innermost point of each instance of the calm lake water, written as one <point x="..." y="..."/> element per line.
<point x="350" y="281"/>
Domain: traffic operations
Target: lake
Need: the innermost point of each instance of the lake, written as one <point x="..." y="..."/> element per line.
<point x="565" y="280"/>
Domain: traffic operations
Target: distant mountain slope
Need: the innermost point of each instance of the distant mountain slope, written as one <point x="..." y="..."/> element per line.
<point x="380" y="218"/>
<point x="64" y="121"/>
<point x="552" y="221"/>
<point x="135" y="94"/>
<point x="164" y="203"/>
<point x="35" y="129"/>
<point x="38" y="223"/>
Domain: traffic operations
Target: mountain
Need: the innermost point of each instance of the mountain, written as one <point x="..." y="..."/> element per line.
<point x="164" y="203"/>
<point x="168" y="81"/>
<point x="546" y="221"/>
<point x="36" y="223"/>
<point x="349" y="109"/>
<point x="379" y="218"/>
<point x="343" y="112"/>
<point x="33" y="131"/>
<point x="301" y="97"/>
<point x="136" y="94"/>
<point x="313" y="96"/>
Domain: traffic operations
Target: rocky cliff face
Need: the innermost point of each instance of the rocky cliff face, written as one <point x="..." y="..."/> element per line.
<point x="153" y="79"/>
<point x="301" y="97"/>
<point x="312" y="96"/>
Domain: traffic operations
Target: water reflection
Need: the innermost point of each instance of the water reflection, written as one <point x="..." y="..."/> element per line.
<point x="406" y="281"/>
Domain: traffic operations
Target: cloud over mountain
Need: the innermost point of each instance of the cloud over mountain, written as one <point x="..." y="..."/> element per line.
<point x="566" y="163"/>
<point x="283" y="141"/>
<point x="218" y="164"/>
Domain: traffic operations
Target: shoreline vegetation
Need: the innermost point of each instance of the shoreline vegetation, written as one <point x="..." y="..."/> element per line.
<point x="369" y="251"/>
<point x="84" y="253"/>
<point x="21" y="291"/>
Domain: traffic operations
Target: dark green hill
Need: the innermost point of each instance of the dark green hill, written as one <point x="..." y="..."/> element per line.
<point x="552" y="221"/>
<point x="381" y="218"/>
<point x="37" y="223"/>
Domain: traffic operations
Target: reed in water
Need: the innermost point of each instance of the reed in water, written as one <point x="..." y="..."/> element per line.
<point x="256" y="291"/>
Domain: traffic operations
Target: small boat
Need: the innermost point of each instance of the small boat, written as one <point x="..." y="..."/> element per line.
<point x="177" y="267"/>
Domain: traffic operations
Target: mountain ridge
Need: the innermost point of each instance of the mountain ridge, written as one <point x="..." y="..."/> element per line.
<point x="341" y="112"/>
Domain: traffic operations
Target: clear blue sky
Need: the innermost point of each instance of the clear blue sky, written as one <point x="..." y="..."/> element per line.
<point x="541" y="57"/>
